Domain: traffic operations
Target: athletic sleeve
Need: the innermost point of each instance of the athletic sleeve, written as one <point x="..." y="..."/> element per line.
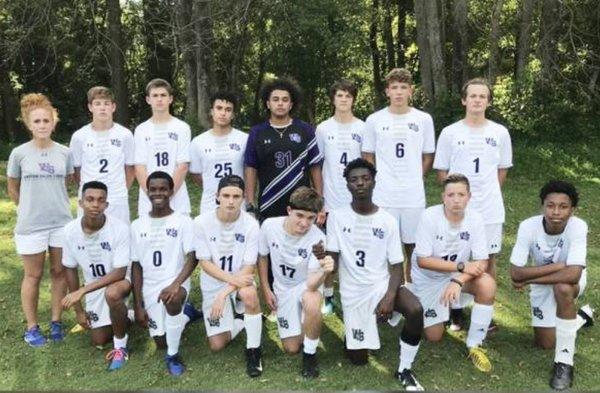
<point x="443" y="152"/>
<point x="13" y="169"/>
<point x="314" y="153"/>
<point x="183" y="144"/>
<point x="319" y="134"/>
<point x="133" y="254"/>
<point x="368" y="145"/>
<point x="195" y="157"/>
<point x="188" y="235"/>
<point x="76" y="148"/>
<point x="251" y="251"/>
<point x="263" y="240"/>
<point x="333" y="244"/>
<point x="200" y="243"/>
<point x="128" y="148"/>
<point x="423" y="238"/>
<point x="428" y="135"/>
<point x="394" y="245"/>
<point x="68" y="259"/>
<point x="505" y="150"/>
<point x="140" y="147"/>
<point x="250" y="155"/>
<point x="578" y="245"/>
<point x="122" y="247"/>
<point x="520" y="251"/>
<point x="479" y="246"/>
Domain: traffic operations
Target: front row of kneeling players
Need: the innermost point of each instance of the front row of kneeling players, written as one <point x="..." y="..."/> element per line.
<point x="449" y="267"/>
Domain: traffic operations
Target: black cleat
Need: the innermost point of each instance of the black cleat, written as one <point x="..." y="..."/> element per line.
<point x="457" y="320"/>
<point x="310" y="368"/>
<point x="562" y="376"/>
<point x="587" y="313"/>
<point x="408" y="380"/>
<point x="253" y="362"/>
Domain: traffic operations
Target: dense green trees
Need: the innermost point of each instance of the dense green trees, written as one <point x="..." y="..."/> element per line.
<point x="543" y="56"/>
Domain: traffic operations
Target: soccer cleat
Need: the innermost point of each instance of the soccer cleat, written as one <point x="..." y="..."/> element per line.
<point x="253" y="362"/>
<point x="57" y="333"/>
<point x="408" y="380"/>
<point x="480" y="359"/>
<point x="562" y="376"/>
<point x="587" y="313"/>
<point x="457" y="320"/>
<point x="192" y="313"/>
<point x="34" y="337"/>
<point x="310" y="368"/>
<point x="117" y="358"/>
<point x="174" y="365"/>
<point x="327" y="307"/>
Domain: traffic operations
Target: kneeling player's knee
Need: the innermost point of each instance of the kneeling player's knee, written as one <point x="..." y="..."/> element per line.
<point x="563" y="291"/>
<point x="113" y="295"/>
<point x="434" y="333"/>
<point x="216" y="345"/>
<point x="249" y="297"/>
<point x="486" y="288"/>
<point x="545" y="343"/>
<point x="358" y="357"/>
<point x="291" y="348"/>
<point x="57" y="272"/>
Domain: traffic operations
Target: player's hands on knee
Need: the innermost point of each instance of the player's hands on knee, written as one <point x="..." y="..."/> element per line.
<point x="216" y="311"/>
<point x="474" y="268"/>
<point x="82" y="319"/>
<point x="141" y="317"/>
<point x="327" y="264"/>
<point x="519" y="285"/>
<point x="71" y="298"/>
<point x="451" y="294"/>
<point x="270" y="299"/>
<point x="242" y="280"/>
<point x="385" y="307"/>
<point x="318" y="250"/>
<point x="321" y="217"/>
<point x="169" y="294"/>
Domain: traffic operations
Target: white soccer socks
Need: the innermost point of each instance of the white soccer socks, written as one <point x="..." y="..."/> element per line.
<point x="253" y="325"/>
<point x="310" y="345"/>
<point x="407" y="355"/>
<point x="120" y="342"/>
<point x="174" y="325"/>
<point x="566" y="332"/>
<point x="481" y="317"/>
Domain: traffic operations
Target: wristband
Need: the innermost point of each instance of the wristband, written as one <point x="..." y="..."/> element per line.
<point x="460" y="284"/>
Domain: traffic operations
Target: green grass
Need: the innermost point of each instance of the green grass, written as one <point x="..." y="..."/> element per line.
<point x="517" y="365"/>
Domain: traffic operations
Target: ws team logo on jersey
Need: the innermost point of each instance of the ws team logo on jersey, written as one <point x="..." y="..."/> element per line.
<point x="413" y="126"/>
<point x="430" y="313"/>
<point x="47" y="167"/>
<point x="115" y="142"/>
<point x="173" y="136"/>
<point x="105" y="246"/>
<point x="357" y="138"/>
<point x="537" y="312"/>
<point x="358" y="334"/>
<point x="302" y="252"/>
<point x="464" y="236"/>
<point x="235" y="146"/>
<point x="294" y="137"/>
<point x="378" y="233"/>
<point x="240" y="237"/>
<point x="491" y="142"/>
<point x="172" y="232"/>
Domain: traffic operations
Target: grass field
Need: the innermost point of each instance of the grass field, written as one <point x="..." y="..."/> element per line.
<point x="75" y="364"/>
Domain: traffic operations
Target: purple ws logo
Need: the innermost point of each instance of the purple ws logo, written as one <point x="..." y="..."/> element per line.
<point x="240" y="237"/>
<point x="172" y="232"/>
<point x="357" y="138"/>
<point x="294" y="137"/>
<point x="491" y="142"/>
<point x="464" y="236"/>
<point x="47" y="167"/>
<point x="173" y="136"/>
<point x="235" y="146"/>
<point x="115" y="142"/>
<point x="413" y="126"/>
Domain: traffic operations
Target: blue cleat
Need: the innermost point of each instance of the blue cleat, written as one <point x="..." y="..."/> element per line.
<point x="192" y="313"/>
<point x="174" y="365"/>
<point x="34" y="337"/>
<point x="117" y="357"/>
<point x="57" y="333"/>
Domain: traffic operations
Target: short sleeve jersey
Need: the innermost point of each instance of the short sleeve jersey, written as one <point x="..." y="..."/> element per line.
<point x="160" y="246"/>
<point x="215" y="157"/>
<point x="438" y="238"/>
<point x="366" y="245"/>
<point x="97" y="254"/>
<point x="399" y="142"/>
<point x="281" y="159"/>
<point x="102" y="156"/>
<point x="161" y="147"/>
<point x="291" y="256"/>
<point x="43" y="198"/>
<point x="230" y="246"/>
<point x="533" y="243"/>
<point x="477" y="153"/>
<point x="339" y="143"/>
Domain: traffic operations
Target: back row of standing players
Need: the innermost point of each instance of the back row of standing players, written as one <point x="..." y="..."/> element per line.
<point x="281" y="155"/>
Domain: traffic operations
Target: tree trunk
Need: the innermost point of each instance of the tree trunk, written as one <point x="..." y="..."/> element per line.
<point x="388" y="37"/>
<point x="424" y="51"/>
<point x="551" y="21"/>
<point x="403" y="7"/>
<point x="375" y="55"/>
<point x="459" y="55"/>
<point x="241" y="47"/>
<point x="494" y="41"/>
<point x="524" y="39"/>
<point x="117" y="61"/>
<point x="203" y="34"/>
<point x="438" y="68"/>
<point x="159" y="54"/>
<point x="186" y="47"/>
<point x="8" y="108"/>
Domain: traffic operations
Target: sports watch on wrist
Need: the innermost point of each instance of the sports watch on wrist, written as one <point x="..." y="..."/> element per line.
<point x="460" y="266"/>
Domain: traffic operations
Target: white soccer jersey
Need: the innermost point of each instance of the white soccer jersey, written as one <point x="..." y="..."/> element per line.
<point x="215" y="157"/>
<point x="366" y="245"/>
<point x="160" y="147"/>
<point x="291" y="256"/>
<point x="477" y="153"/>
<point x="399" y="142"/>
<point x="102" y="156"/>
<point x="227" y="245"/>
<point x="339" y="143"/>
<point x="438" y="238"/>
<point x="97" y="254"/>
<point x="160" y="246"/>
<point x="534" y="243"/>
